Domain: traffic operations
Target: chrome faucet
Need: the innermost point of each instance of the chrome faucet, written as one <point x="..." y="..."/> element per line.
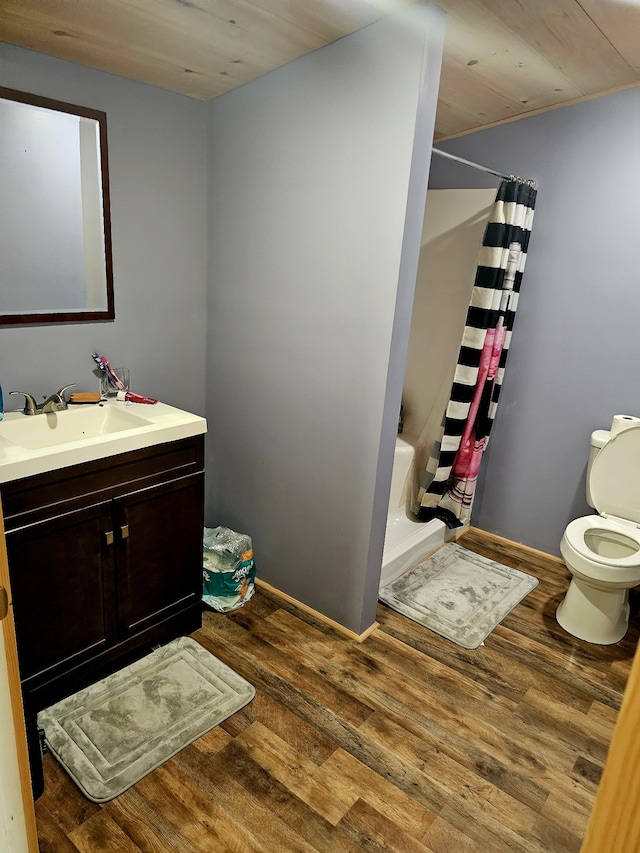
<point x="54" y="402"/>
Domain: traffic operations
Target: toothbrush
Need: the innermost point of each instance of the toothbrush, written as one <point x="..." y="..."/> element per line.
<point x="106" y="368"/>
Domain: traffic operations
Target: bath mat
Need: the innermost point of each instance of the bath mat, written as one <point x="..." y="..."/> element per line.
<point x="458" y="594"/>
<point x="110" y="735"/>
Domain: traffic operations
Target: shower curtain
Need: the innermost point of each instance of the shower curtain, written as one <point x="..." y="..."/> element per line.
<point x="448" y="483"/>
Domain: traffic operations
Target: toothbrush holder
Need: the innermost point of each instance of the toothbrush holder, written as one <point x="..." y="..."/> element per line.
<point x="107" y="390"/>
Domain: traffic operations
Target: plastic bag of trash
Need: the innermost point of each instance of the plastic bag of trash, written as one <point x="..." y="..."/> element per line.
<point x="228" y="569"/>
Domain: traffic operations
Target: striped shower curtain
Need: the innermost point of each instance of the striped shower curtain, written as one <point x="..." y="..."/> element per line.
<point x="448" y="483"/>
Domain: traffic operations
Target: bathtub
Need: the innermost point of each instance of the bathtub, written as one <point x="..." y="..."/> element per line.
<point x="406" y="541"/>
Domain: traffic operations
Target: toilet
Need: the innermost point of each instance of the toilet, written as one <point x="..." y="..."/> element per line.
<point x="602" y="551"/>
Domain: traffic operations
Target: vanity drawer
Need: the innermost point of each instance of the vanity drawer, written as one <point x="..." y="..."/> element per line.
<point x="59" y="492"/>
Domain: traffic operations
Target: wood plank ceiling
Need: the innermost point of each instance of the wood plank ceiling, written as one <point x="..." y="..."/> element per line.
<point x="502" y="58"/>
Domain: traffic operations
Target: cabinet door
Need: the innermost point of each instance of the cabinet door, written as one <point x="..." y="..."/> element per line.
<point x="62" y="574"/>
<point x="159" y="552"/>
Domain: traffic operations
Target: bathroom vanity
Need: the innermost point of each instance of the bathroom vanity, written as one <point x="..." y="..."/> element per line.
<point x="105" y="561"/>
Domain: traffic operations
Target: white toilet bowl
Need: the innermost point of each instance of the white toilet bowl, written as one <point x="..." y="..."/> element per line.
<point x="604" y="559"/>
<point x="602" y="551"/>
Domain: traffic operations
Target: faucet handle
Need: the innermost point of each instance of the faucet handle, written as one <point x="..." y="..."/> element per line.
<point x="30" y="405"/>
<point x="60" y="393"/>
<point x="56" y="402"/>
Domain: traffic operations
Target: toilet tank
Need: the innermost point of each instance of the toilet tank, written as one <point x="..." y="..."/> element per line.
<point x="598" y="440"/>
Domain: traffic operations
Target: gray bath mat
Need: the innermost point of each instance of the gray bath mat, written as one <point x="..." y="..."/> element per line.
<point x="110" y="735"/>
<point x="458" y="594"/>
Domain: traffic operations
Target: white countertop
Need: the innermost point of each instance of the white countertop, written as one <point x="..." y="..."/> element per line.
<point x="74" y="436"/>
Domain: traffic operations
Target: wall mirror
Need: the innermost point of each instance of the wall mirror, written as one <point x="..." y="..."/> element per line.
<point x="55" y="225"/>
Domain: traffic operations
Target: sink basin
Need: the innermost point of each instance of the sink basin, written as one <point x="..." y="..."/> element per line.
<point x="37" y="444"/>
<point x="76" y="424"/>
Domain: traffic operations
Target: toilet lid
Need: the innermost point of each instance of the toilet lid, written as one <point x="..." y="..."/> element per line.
<point x="615" y="476"/>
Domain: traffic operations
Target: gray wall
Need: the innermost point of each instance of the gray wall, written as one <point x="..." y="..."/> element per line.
<point x="312" y="277"/>
<point x="158" y="171"/>
<point x="574" y="361"/>
<point x="308" y="295"/>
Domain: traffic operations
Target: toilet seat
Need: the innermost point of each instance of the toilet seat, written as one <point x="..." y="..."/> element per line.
<point x="614" y="479"/>
<point x="596" y="566"/>
<point x="614" y="482"/>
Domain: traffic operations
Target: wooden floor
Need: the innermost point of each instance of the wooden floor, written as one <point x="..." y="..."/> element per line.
<point x="405" y="742"/>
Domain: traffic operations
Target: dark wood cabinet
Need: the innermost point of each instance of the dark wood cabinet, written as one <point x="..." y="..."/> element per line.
<point x="105" y="561"/>
<point x="159" y="530"/>
<point x="63" y="590"/>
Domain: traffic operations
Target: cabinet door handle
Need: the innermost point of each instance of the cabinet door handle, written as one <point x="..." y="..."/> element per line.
<point x="4" y="603"/>
<point x="124" y="531"/>
<point x="108" y="535"/>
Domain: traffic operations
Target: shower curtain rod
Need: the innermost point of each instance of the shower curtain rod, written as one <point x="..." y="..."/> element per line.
<point x="473" y="165"/>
